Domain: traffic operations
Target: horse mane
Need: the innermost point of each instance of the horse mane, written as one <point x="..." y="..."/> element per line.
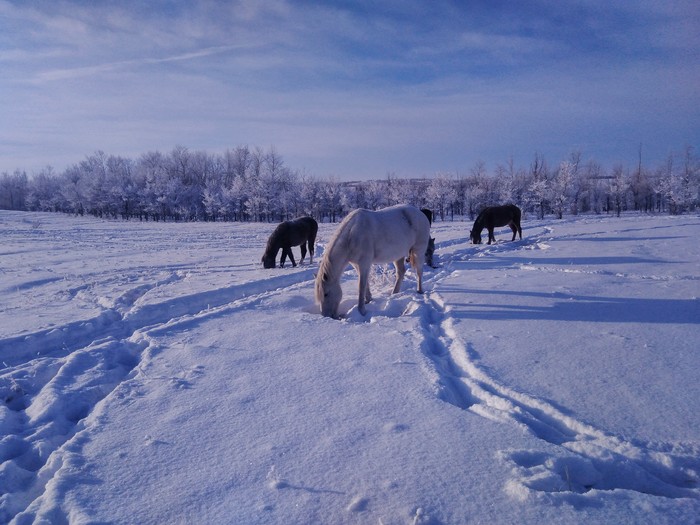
<point x="479" y="222"/>
<point x="328" y="271"/>
<point x="273" y="242"/>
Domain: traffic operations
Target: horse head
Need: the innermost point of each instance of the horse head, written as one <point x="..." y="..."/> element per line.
<point x="475" y="237"/>
<point x="328" y="295"/>
<point x="268" y="262"/>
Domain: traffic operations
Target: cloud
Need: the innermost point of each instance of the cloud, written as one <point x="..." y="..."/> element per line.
<point x="70" y="73"/>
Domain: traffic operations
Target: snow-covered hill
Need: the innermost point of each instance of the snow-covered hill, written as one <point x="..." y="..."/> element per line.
<point x="156" y="373"/>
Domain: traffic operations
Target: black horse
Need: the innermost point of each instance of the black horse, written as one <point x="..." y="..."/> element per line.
<point x="495" y="217"/>
<point x="430" y="250"/>
<point x="298" y="232"/>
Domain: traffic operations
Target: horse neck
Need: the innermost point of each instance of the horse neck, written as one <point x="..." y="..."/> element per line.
<point x="273" y="246"/>
<point x="337" y="257"/>
<point x="335" y="263"/>
<point x="479" y="224"/>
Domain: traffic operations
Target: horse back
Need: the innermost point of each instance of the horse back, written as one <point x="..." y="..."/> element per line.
<point x="394" y="231"/>
<point x="497" y="216"/>
<point x="300" y="230"/>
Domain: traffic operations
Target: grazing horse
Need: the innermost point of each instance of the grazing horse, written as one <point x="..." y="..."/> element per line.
<point x="430" y="250"/>
<point x="299" y="232"/>
<point x="365" y="237"/>
<point x="495" y="217"/>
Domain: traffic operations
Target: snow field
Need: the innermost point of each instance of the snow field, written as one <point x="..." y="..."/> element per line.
<point x="155" y="373"/>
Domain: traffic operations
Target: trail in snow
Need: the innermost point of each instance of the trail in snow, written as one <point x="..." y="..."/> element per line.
<point x="54" y="379"/>
<point x="594" y="459"/>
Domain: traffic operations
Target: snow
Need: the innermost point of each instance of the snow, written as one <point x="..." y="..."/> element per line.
<point x="156" y="373"/>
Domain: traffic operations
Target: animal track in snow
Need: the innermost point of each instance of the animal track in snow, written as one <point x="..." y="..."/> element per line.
<point x="45" y="402"/>
<point x="590" y="458"/>
<point x="55" y="378"/>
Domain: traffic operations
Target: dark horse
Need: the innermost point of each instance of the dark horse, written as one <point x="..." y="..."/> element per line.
<point x="431" y="241"/>
<point x="430" y="250"/>
<point x="299" y="232"/>
<point x="495" y="217"/>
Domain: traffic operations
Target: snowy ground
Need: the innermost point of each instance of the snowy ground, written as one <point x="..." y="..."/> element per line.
<point x="156" y="373"/>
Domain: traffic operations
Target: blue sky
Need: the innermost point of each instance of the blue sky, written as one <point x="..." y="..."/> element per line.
<point x="351" y="90"/>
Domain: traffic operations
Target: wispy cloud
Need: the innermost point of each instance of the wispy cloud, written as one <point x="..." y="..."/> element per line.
<point x="70" y="73"/>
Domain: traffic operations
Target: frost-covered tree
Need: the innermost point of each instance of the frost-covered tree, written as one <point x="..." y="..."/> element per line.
<point x="155" y="198"/>
<point x="578" y="182"/>
<point x="397" y="190"/>
<point x="44" y="192"/>
<point x="506" y="183"/>
<point x="487" y="190"/>
<point x="560" y="188"/>
<point x="331" y="196"/>
<point x="123" y="187"/>
<point x="691" y="178"/>
<point x="94" y="174"/>
<point x="537" y="193"/>
<point x="74" y="189"/>
<point x="252" y="184"/>
<point x="618" y="187"/>
<point x="213" y="200"/>
<point x="375" y="195"/>
<point x="679" y="185"/>
<point x="441" y="193"/>
<point x="13" y="190"/>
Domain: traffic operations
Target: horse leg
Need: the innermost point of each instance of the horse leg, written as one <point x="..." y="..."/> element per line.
<point x="311" y="251"/>
<point x="491" y="236"/>
<point x="514" y="229"/>
<point x="363" y="291"/>
<point x="303" y="252"/>
<point x="400" y="266"/>
<point x="287" y="252"/>
<point x="417" y="264"/>
<point x="284" y="257"/>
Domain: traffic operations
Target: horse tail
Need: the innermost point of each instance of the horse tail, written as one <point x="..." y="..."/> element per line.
<point x="313" y="233"/>
<point x="516" y="212"/>
<point x="517" y="216"/>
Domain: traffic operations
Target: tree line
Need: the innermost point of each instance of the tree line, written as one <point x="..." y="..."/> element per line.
<point x="252" y="184"/>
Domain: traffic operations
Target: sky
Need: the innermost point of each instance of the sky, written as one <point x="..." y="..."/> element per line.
<point x="351" y="90"/>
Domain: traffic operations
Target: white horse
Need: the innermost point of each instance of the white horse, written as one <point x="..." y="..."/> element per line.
<point x="365" y="237"/>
